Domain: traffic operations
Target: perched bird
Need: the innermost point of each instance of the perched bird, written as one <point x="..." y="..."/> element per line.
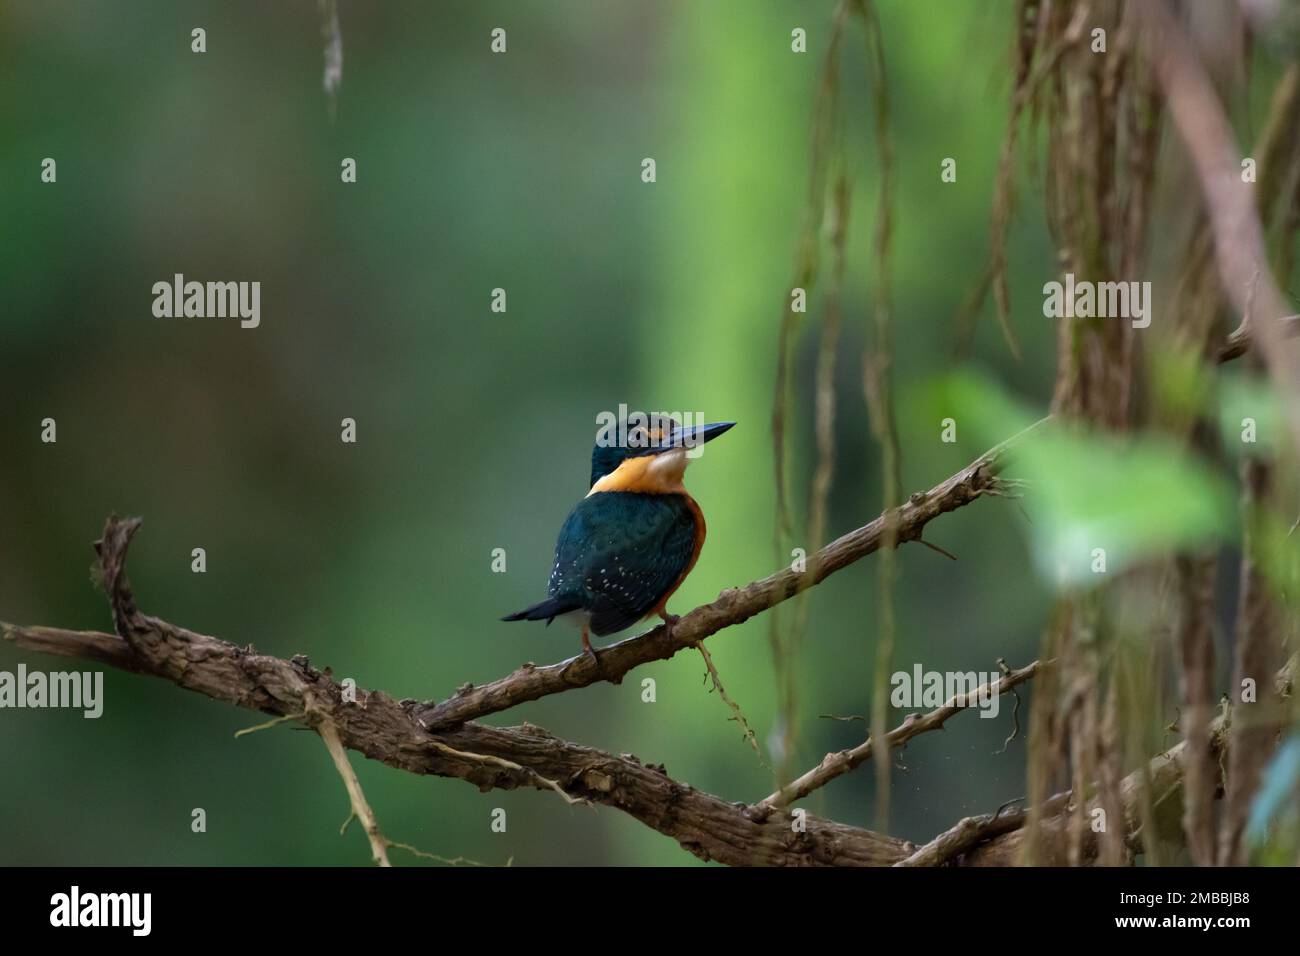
<point x="628" y="545"/>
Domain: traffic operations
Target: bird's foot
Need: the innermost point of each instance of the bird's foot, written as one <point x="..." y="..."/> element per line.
<point x="670" y="620"/>
<point x="590" y="651"/>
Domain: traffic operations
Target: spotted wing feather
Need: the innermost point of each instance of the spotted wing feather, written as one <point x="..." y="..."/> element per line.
<point x="619" y="553"/>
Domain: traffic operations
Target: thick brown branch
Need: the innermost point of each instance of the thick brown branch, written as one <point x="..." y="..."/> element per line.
<point x="504" y="758"/>
<point x="733" y="606"/>
<point x="511" y="757"/>
<point x="969" y="832"/>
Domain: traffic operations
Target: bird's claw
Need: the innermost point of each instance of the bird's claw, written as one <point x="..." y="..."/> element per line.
<point x="588" y="650"/>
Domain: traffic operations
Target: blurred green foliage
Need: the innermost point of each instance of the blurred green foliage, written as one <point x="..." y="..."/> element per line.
<point x="1132" y="499"/>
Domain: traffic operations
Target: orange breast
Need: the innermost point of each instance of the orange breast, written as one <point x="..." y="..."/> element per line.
<point x="700" y="531"/>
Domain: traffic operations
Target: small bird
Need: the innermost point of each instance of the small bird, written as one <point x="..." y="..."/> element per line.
<point x="628" y="545"/>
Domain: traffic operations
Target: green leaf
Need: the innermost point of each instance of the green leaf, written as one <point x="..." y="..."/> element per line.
<point x="1099" y="502"/>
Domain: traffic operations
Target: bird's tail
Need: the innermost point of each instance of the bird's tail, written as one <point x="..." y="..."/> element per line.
<point x="547" y="610"/>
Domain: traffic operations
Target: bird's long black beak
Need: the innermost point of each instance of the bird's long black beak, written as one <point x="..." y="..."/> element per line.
<point x="692" y="436"/>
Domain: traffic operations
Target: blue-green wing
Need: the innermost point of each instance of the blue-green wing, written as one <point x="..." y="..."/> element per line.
<point x="620" y="552"/>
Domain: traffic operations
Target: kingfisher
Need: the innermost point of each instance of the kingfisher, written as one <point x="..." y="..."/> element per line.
<point x="629" y="544"/>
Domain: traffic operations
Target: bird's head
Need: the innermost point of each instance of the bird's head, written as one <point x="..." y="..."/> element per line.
<point x="637" y="450"/>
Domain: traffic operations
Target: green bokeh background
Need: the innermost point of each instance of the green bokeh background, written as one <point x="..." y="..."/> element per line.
<point x="476" y="171"/>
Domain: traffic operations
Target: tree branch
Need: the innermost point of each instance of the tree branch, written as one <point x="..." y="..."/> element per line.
<point x="1238" y="234"/>
<point x="837" y="764"/>
<point x="526" y="756"/>
<point x="356" y="796"/>
<point x="1238" y="341"/>
<point x="491" y="758"/>
<point x="384" y="729"/>
<point x="1164" y="778"/>
<point x="969" y="832"/>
